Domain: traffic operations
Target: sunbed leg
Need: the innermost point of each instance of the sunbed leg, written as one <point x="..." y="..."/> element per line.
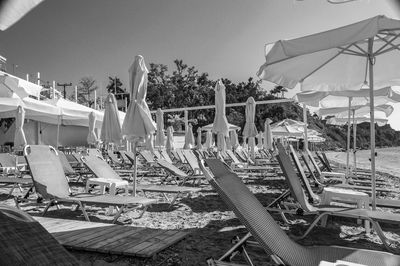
<point x="82" y="206"/>
<point x="12" y="190"/>
<point x="381" y="235"/>
<point x="174" y="199"/>
<point x="121" y="209"/>
<point x="233" y="249"/>
<point x="51" y="202"/>
<point x="16" y="200"/>
<point x="315" y="222"/>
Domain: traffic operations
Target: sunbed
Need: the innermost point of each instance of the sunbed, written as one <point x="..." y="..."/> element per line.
<point x="10" y="174"/>
<point x="51" y="184"/>
<point x="25" y="242"/>
<point x="271" y="237"/>
<point x="102" y="170"/>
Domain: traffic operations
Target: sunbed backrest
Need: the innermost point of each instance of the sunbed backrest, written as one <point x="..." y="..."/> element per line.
<point x="171" y="168"/>
<point x="47" y="171"/>
<point x="148" y="156"/>
<point x="253" y="214"/>
<point x="313" y="162"/>
<point x="64" y="161"/>
<point x="191" y="159"/>
<point x="100" y="167"/>
<point x="181" y="156"/>
<point x="293" y="181"/>
<point x="302" y="175"/>
<point x="113" y="157"/>
<point x="7" y="160"/>
<point x="166" y="156"/>
<point x="232" y="156"/>
<point x="94" y="152"/>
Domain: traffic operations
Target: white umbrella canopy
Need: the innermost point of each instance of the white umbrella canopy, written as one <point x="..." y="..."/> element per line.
<point x="138" y="122"/>
<point x="250" y="130"/>
<point x="92" y="137"/>
<point x="189" y="138"/>
<point x="137" y="125"/>
<point x="220" y="125"/>
<point x="234" y="140"/>
<point x="209" y="140"/>
<point x="357" y="111"/>
<point x="260" y="140"/>
<point x="231" y="127"/>
<point x="169" y="146"/>
<point x="13" y="10"/>
<point x="19" y="137"/>
<point x="160" y="137"/>
<point x="199" y="146"/>
<point x="111" y="127"/>
<point x="345" y="58"/>
<point x="268" y="135"/>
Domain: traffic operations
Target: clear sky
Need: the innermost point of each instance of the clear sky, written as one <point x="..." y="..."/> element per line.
<point x="65" y="40"/>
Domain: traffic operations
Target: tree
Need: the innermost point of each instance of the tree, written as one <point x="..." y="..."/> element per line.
<point x="86" y="86"/>
<point x="278" y="90"/>
<point x="115" y="86"/>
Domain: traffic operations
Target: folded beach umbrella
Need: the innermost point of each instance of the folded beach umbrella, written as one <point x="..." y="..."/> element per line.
<point x="228" y="143"/>
<point x="234" y="139"/>
<point x="92" y="137"/>
<point x="220" y="125"/>
<point x="250" y="130"/>
<point x="199" y="146"/>
<point x="169" y="146"/>
<point x="260" y="140"/>
<point x="189" y="138"/>
<point x="209" y="140"/>
<point x="160" y="137"/>
<point x="19" y="137"/>
<point x="111" y="127"/>
<point x="268" y="135"/>
<point x="137" y="125"/>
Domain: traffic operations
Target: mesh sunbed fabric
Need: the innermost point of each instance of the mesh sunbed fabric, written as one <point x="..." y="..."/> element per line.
<point x="7" y="160"/>
<point x="272" y="238"/>
<point x="25" y="242"/>
<point x="51" y="183"/>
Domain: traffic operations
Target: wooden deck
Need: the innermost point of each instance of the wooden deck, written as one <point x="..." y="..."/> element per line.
<point x="110" y="238"/>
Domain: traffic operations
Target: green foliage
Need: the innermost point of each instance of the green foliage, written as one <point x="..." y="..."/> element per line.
<point x="86" y="86"/>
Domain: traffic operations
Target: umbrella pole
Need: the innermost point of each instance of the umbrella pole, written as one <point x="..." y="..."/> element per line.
<point x="134" y="169"/>
<point x="355" y="142"/>
<point x="305" y="127"/>
<point x="372" y="115"/>
<point x="348" y="140"/>
<point x="58" y="131"/>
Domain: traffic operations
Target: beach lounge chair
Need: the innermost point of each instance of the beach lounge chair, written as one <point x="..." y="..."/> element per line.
<point x="271" y="237"/>
<point x="25" y="242"/>
<point x="51" y="184"/>
<point x="102" y="170"/>
<point x="10" y="175"/>
<point x="166" y="156"/>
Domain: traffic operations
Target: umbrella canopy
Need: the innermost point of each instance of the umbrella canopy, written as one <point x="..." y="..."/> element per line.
<point x="209" y="127"/>
<point x="199" y="146"/>
<point x="13" y="10"/>
<point x="138" y="123"/>
<point x="286" y="130"/>
<point x="234" y="139"/>
<point x="160" y="137"/>
<point x="111" y="127"/>
<point x="346" y="58"/>
<point x="209" y="140"/>
<point x="228" y="143"/>
<point x="220" y="125"/>
<point x="92" y="137"/>
<point x="170" y="139"/>
<point x="260" y="140"/>
<point x="359" y="110"/>
<point x="250" y="130"/>
<point x="19" y="137"/>
<point x="268" y="135"/>
<point x="189" y="138"/>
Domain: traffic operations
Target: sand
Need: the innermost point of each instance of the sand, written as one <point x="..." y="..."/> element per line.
<point x="213" y="225"/>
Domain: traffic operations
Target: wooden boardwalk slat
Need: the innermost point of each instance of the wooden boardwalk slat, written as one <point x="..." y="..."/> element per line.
<point x="110" y="238"/>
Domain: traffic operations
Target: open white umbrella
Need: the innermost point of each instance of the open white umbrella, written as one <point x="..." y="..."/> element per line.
<point x="250" y="130"/>
<point x="13" y="10"/>
<point x="220" y="125"/>
<point x="199" y="146"/>
<point x="160" y="137"/>
<point x="346" y="58"/>
<point x="19" y="137"/>
<point x="111" y="127"/>
<point x="268" y="135"/>
<point x="189" y="138"/>
<point x="169" y="146"/>
<point x="231" y="127"/>
<point x="92" y="137"/>
<point x="137" y="124"/>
